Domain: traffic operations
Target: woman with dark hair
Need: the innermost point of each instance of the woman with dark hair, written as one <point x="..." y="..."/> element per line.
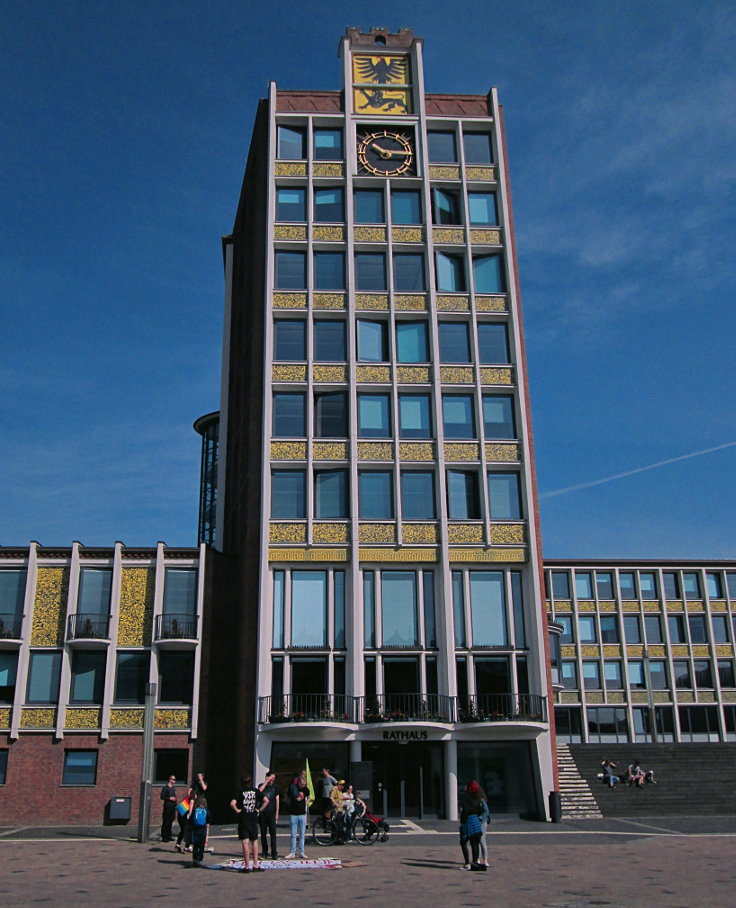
<point x="471" y="810"/>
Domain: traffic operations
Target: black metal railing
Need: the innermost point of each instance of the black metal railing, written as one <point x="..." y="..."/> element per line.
<point x="88" y="627"/>
<point x="502" y="708"/>
<point x="176" y="627"/>
<point x="405" y="708"/>
<point x="306" y="708"/>
<point x="10" y="625"/>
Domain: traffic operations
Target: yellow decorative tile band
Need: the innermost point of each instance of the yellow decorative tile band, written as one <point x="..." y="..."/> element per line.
<point x="407" y="234"/>
<point x="327" y="170"/>
<point x="589" y="650"/>
<point x="370" y="450"/>
<point x="718" y="605"/>
<point x="289" y="300"/>
<point x="172" y="719"/>
<point x="563" y="605"/>
<point x="403" y="555"/>
<point x="630" y="606"/>
<point x="634" y="650"/>
<point x="679" y="649"/>
<point x="490" y="304"/>
<point x="508" y="534"/>
<point x="485" y="237"/>
<point x="413" y="375"/>
<point x="457" y="375"/>
<point x="329" y="373"/>
<point x="83" y="718"/>
<point x="607" y="606"/>
<point x="275" y="554"/>
<point x="418" y="532"/>
<point x="288" y="450"/>
<point x="616" y="696"/>
<point x="706" y="696"/>
<point x="328" y="234"/>
<point x="651" y="607"/>
<point x="459" y="452"/>
<point x="369" y="234"/>
<point x="594" y="697"/>
<point x="377" y="302"/>
<point x="675" y="606"/>
<point x="448" y="235"/>
<point x="290" y="169"/>
<point x="455" y="303"/>
<point x="49" y="606"/>
<point x="290" y="232"/>
<point x="330" y="450"/>
<point x="611" y="651"/>
<point x="126" y="718"/>
<point x="444" y="173"/>
<point x="685" y="696"/>
<point x="724" y="649"/>
<point x="330" y="532"/>
<point x="638" y="696"/>
<point x="696" y="606"/>
<point x="328" y="300"/>
<point x="586" y="606"/>
<point x="567" y="696"/>
<point x="488" y="555"/>
<point x="491" y="375"/>
<point x="417" y="451"/>
<point x="487" y="174"/>
<point x="45" y="717"/>
<point x="465" y="533"/>
<point x="410" y="302"/>
<point x="567" y="650"/>
<point x="289" y="373"/>
<point x="374" y="374"/>
<point x="700" y="652"/>
<point x="287" y="532"/>
<point x="498" y="452"/>
<point x="662" y="696"/>
<point x="135" y="624"/>
<point x="657" y="650"/>
<point x="5" y="717"/>
<point x="377" y="533"/>
<point x="728" y="696"/>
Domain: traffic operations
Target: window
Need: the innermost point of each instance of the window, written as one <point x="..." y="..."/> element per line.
<point x="681" y="670"/>
<point x="292" y="144"/>
<point x="636" y="675"/>
<point x="376" y="494"/>
<point x="331" y="414"/>
<point x="447" y="207"/>
<point x="587" y="628"/>
<point x="488" y="274"/>
<point x="399" y="608"/>
<point x="288" y="494"/>
<point x="454" y="342"/>
<point x="653" y="628"/>
<point x="698" y="633"/>
<point x="329" y="341"/>
<point x="607" y="725"/>
<point x="451" y="273"/>
<point x="591" y="676"/>
<point x="169" y="762"/>
<point x="720" y="628"/>
<point x="370" y="271"/>
<point x="291" y="270"/>
<point x="43" y="678"/>
<point x="414" y="416"/>
<point x="406" y="206"/>
<point x="478" y="148"/>
<point x="279" y="591"/>
<point x="3" y="765"/>
<point x="289" y="340"/>
<point x="374" y="416"/>
<point x="482" y="210"/>
<point x="703" y="674"/>
<point x="329" y="205"/>
<point x="80" y="767"/>
<point x="726" y="675"/>
<point x="442" y="147"/>
<point x="291" y="204"/>
<point x="504" y="496"/>
<point x="567" y="635"/>
<point x="175" y="677"/>
<point x="329" y="271"/>
<point x="691" y="583"/>
<point x="417" y="495"/>
<point x="458" y="612"/>
<point x="94" y="591"/>
<point x="327" y="144"/>
<point x="458" y="416"/>
<point x="488" y="608"/>
<point x="462" y="495"/>
<point x="338" y="579"/>
<point x="369" y="608"/>
<point x="372" y="342"/>
<point x="180" y="591"/>
<point x="698" y="723"/>
<point x="648" y="585"/>
<point x="131" y="677"/>
<point x="498" y="416"/>
<point x="331" y="499"/>
<point x="609" y="629"/>
<point x="612" y="674"/>
<point x="12" y="591"/>
<point x="671" y="585"/>
<point x="369" y="208"/>
<point x="658" y="674"/>
<point x="560" y="584"/>
<point x="676" y="627"/>
<point x="628" y="585"/>
<point x="632" y="629"/>
<point x="569" y="675"/>
<point x="412" y="343"/>
<point x="714" y="586"/>
<point x="430" y="629"/>
<point x="731" y="584"/>
<point x="309" y="608"/>
<point x="289" y="415"/>
<point x="493" y="343"/>
<point x="8" y="675"/>
<point x="88" y="677"/>
<point x="409" y="272"/>
<point x="604" y="584"/>
<point x="583" y="588"/>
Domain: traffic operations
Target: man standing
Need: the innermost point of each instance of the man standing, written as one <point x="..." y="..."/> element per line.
<point x="168" y="798"/>
<point x="248" y="804"/>
<point x="269" y="815"/>
<point x="299" y="799"/>
<point x="327" y="783"/>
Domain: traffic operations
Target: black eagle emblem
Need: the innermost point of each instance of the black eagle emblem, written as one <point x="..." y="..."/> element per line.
<point x="387" y="69"/>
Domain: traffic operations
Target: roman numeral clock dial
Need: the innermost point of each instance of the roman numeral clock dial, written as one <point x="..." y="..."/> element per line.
<point x="386" y="153"/>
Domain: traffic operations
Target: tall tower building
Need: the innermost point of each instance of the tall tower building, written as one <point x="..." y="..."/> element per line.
<point x="376" y="504"/>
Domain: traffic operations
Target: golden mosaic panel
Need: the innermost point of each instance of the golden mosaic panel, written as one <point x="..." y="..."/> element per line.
<point x="5" y="717"/>
<point x="126" y="718"/>
<point x="459" y="452"/>
<point x="616" y="696"/>
<point x="391" y="102"/>
<point x="401" y="555"/>
<point x="376" y="533"/>
<point x="49" y="606"/>
<point x="679" y="649"/>
<point x="290" y="169"/>
<point x="607" y="606"/>
<point x="675" y="606"/>
<point x="506" y="556"/>
<point x="563" y="605"/>
<point x="661" y="696"/>
<point x="634" y="649"/>
<point x="287" y="532"/>
<point x="330" y="532"/>
<point x="45" y="717"/>
<point x="567" y="650"/>
<point x="439" y="172"/>
<point x="630" y="606"/>
<point x="718" y="605"/>
<point x="638" y="696"/>
<point x="386" y="69"/>
<point x="651" y="606"/>
<point x="135" y="624"/>
<point x="327" y="170"/>
<point x="307" y="554"/>
<point x="589" y="650"/>
<point x="416" y="451"/>
<point x="329" y="373"/>
<point x="407" y="234"/>
<point x="503" y="453"/>
<point x="586" y="606"/>
<point x="685" y="696"/>
<point x="508" y="534"/>
<point x="455" y="303"/>
<point x="487" y="174"/>
<point x="485" y="237"/>
<point x="695" y="606"/>
<point x="724" y="649"/>
<point x="328" y="300"/>
<point x="371" y="450"/>
<point x="369" y="234"/>
<point x="410" y="302"/>
<point x="375" y="374"/>
<point x="457" y="375"/>
<point x="172" y="718"/>
<point x="288" y="450"/>
<point x="290" y="232"/>
<point x="328" y="234"/>
<point x="418" y="532"/>
<point x="465" y="533"/>
<point x="448" y="235"/>
<point x="83" y="718"/>
<point x="289" y="373"/>
<point x="706" y="696"/>
<point x="568" y="696"/>
<point x="490" y="304"/>
<point x="376" y="302"/>
<point x="657" y="651"/>
<point x="728" y="696"/>
<point x="289" y="300"/>
<point x="548" y="605"/>
<point x="700" y="652"/>
<point x="413" y="375"/>
<point x="490" y="375"/>
<point x="595" y="697"/>
<point x="611" y="651"/>
<point x="330" y="450"/>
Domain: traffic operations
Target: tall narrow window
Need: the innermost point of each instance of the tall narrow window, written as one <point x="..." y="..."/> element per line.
<point x="462" y="495"/>
<point x="288" y="494"/>
<point x="458" y="416"/>
<point x="627" y="584"/>
<point x="488" y="608"/>
<point x="370" y="271"/>
<point x="329" y="341"/>
<point x="504" y="496"/>
<point x="291" y="270"/>
<point x="292" y="144"/>
<point x="369" y="608"/>
<point x="399" y="608"/>
<point x="414" y="416"/>
<point x="131" y="677"/>
<point x="43" y="677"/>
<point x="691" y="583"/>
<point x="671" y="585"/>
<point x="493" y="343"/>
<point x="289" y="340"/>
<point x="442" y="147"/>
<point x="488" y="274"/>
<point x="518" y="606"/>
<point x="451" y="273"/>
<point x="409" y="272"/>
<point x="430" y="629"/>
<point x="482" y="209"/>
<point x="329" y="205"/>
<point x="406" y="206"/>
<point x="454" y="342"/>
<point x="8" y="676"/>
<point x="458" y="608"/>
<point x="417" y="495"/>
<point x="478" y="148"/>
<point x="583" y="586"/>
<point x="291" y="204"/>
<point x="180" y="591"/>
<point x="289" y="415"/>
<point x="412" y="345"/>
<point x="331" y="496"/>
<point x="278" y="609"/>
<point x="446" y="207"/>
<point x="372" y="342"/>
<point x="309" y="608"/>
<point x="376" y="494"/>
<point x="175" y="678"/>
<point x="88" y="677"/>
<point x="94" y="591"/>
<point x="374" y="416"/>
<point x="498" y="416"/>
<point x="339" y="578"/>
<point x="329" y="271"/>
<point x="330" y="415"/>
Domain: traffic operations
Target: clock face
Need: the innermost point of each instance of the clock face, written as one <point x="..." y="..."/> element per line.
<point x="386" y="153"/>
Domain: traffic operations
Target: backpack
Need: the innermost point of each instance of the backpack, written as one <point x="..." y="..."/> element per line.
<point x="199" y="817"/>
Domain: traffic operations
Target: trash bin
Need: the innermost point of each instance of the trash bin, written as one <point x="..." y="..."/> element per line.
<point x="555" y="806"/>
<point x="119" y="808"/>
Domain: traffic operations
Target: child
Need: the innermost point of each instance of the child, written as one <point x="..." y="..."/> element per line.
<point x="200" y="820"/>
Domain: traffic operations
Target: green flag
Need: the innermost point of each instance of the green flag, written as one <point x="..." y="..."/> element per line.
<point x="310" y="787"/>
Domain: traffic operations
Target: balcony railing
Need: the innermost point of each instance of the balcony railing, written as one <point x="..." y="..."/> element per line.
<point x="307" y="708"/>
<point x="502" y="708"/>
<point x="405" y="708"/>
<point x="88" y="627"/>
<point x="176" y="627"/>
<point x="10" y="625"/>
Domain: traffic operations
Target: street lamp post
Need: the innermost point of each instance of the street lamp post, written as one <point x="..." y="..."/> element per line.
<point x="144" y="807"/>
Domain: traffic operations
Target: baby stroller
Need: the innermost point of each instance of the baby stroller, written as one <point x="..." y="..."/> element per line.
<point x="371" y="826"/>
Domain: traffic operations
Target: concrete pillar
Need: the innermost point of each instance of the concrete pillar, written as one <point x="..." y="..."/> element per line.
<point x="356" y="751"/>
<point x="451" y="779"/>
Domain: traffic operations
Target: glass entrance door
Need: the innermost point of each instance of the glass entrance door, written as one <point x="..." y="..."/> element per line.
<point x="416" y="764"/>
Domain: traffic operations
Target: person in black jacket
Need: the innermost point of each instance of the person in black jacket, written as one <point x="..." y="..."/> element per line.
<point x="471" y="810"/>
<point x="168" y="798"/>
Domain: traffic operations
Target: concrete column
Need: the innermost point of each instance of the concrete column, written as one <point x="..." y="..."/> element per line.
<point x="356" y="751"/>
<point x="451" y="779"/>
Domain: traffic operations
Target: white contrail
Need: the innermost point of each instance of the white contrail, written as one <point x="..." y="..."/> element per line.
<point x="652" y="466"/>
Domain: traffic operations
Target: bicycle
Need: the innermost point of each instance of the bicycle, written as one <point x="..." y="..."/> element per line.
<point x="326" y="831"/>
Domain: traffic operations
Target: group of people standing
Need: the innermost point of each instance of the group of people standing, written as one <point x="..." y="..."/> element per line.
<point x="193" y="814"/>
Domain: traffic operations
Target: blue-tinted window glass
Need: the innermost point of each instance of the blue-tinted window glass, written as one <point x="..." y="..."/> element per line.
<point x="180" y="591"/>
<point x="43" y="678"/>
<point x="308" y="608"/>
<point x="406" y="206"/>
<point x="331" y="415"/>
<point x="289" y="340"/>
<point x="409" y="272"/>
<point x="279" y="589"/>
<point x="458" y="608"/>
<point x="288" y="494"/>
<point x="720" y="628"/>
<point x="372" y="342"/>
<point x="569" y="675"/>
<point x="329" y="341"/>
<point x="289" y="415"/>
<point x="430" y="625"/>
<point x="451" y="273"/>
<point x="458" y="416"/>
<point x="292" y="144"/>
<point x="493" y="343"/>
<point x="671" y="585"/>
<point x="8" y="676"/>
<point x="478" y="148"/>
<point x="567" y="635"/>
<point x="591" y="675"/>
<point x="632" y="629"/>
<point x="414" y="416"/>
<point x="329" y="205"/>
<point x="446" y="207"/>
<point x="12" y="591"/>
<point x="412" y="344"/>
<point x="131" y="677"/>
<point x="88" y="677"/>
<point x="504" y="496"/>
<point x="329" y="271"/>
<point x="375" y="489"/>
<point x="399" y="608"/>
<point x="442" y="147"/>
<point x="370" y="271"/>
<point x="517" y="599"/>
<point x="583" y="586"/>
<point x="80" y="767"/>
<point x="676" y="627"/>
<point x="291" y="270"/>
<point x="612" y="671"/>
<point x="691" y="582"/>
<point x="698" y="633"/>
<point x="454" y="342"/>
<point x="653" y="628"/>
<point x="588" y="631"/>
<point x="462" y="495"/>
<point x="369" y="608"/>
<point x="714" y="586"/>
<point x="488" y="274"/>
<point x="94" y="591"/>
<point x="604" y="584"/>
<point x="560" y="584"/>
<point x="648" y="585"/>
<point x="417" y="495"/>
<point x="627" y="584"/>
<point x="291" y="204"/>
<point x="488" y="608"/>
<point x="369" y="207"/>
<point x="331" y="494"/>
<point x="609" y="629"/>
<point x="327" y="144"/>
<point x="658" y="674"/>
<point x="374" y="416"/>
<point x="339" y="610"/>
<point x="482" y="208"/>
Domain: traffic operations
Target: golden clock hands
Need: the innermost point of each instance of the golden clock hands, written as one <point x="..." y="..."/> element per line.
<point x="385" y="153"/>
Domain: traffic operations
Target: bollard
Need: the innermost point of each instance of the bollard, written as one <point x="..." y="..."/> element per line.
<point x="555" y="806"/>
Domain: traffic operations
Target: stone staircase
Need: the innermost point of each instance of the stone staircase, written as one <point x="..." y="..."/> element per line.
<point x="577" y="798"/>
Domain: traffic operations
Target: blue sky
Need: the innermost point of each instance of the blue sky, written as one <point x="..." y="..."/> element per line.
<point x="126" y="130"/>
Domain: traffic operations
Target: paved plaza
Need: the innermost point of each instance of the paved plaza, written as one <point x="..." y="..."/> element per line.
<point x="670" y="862"/>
